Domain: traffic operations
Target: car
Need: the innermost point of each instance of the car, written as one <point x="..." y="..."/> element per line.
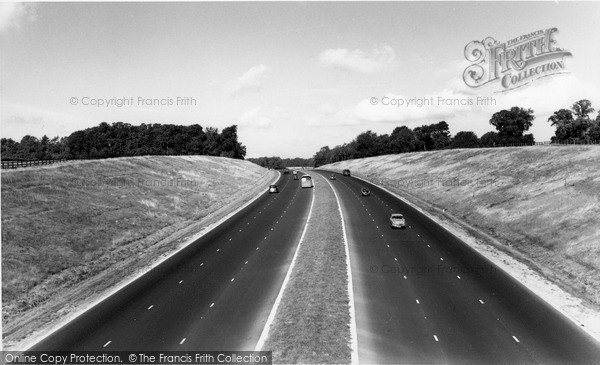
<point x="273" y="189"/>
<point x="346" y="172"/>
<point x="397" y="221"/>
<point x="306" y="182"/>
<point x="365" y="192"/>
<point x="332" y="177"/>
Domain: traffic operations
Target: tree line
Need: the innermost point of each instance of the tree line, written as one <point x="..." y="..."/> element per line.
<point x="573" y="124"/>
<point x="123" y="139"/>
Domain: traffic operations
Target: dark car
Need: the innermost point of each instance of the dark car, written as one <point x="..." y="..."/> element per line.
<point x="273" y="189"/>
<point x="346" y="172"/>
<point x="332" y="177"/>
<point x="365" y="192"/>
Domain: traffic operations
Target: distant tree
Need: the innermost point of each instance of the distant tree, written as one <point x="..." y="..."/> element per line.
<point x="322" y="157"/>
<point x="403" y="139"/>
<point x="511" y="124"/>
<point x="366" y="144"/>
<point x="594" y="131"/>
<point x="465" y="139"/>
<point x="582" y="109"/>
<point x="574" y="124"/>
<point x="433" y="136"/>
<point x="9" y="149"/>
<point x="490" y="139"/>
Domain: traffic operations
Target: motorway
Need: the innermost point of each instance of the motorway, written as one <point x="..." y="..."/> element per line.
<point x="216" y="294"/>
<point x="422" y="296"/>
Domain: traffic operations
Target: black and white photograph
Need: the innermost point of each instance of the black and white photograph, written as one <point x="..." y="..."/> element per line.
<point x="300" y="182"/>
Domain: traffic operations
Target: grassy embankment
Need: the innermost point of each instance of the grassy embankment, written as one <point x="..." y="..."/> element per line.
<point x="73" y="231"/>
<point x="312" y="322"/>
<point x="541" y="203"/>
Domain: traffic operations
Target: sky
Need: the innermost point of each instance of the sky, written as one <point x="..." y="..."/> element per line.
<point x="294" y="76"/>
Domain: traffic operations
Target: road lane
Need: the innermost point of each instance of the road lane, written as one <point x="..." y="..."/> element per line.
<point x="423" y="296"/>
<point x="215" y="294"/>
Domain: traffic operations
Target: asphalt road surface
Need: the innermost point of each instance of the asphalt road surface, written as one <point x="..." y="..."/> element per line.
<point x="424" y="296"/>
<point x="216" y="294"/>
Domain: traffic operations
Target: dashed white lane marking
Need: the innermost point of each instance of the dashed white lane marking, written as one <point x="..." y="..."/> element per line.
<point x="150" y="307"/>
<point x="404" y="277"/>
<point x="428" y="246"/>
<point x="212" y="305"/>
<point x="395" y="259"/>
<point x="180" y="281"/>
<point x="232" y="279"/>
<point x="516" y="339"/>
<point x="246" y="263"/>
<point x="481" y="301"/>
<point x="458" y="276"/>
<point x="418" y="301"/>
<point x="441" y="259"/>
<point x="182" y="341"/>
<point x="106" y="344"/>
<point x="218" y="249"/>
<point x="265" y="332"/>
<point x="436" y="338"/>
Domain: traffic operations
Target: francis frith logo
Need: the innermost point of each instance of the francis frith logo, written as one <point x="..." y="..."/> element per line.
<point x="516" y="62"/>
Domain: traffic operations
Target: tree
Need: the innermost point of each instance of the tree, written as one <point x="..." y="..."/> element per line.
<point x="366" y="144"/>
<point x="574" y="124"/>
<point x="433" y="136"/>
<point x="490" y="139"/>
<point x="403" y="139"/>
<point x="465" y="139"/>
<point x="322" y="157"/>
<point x="511" y="124"/>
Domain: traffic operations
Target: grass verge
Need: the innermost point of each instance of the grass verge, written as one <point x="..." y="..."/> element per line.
<point x="72" y="232"/>
<point x="312" y="322"/>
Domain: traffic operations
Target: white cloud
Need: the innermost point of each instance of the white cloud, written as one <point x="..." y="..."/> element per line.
<point x="12" y="14"/>
<point x="357" y="60"/>
<point x="251" y="80"/>
<point x="261" y="118"/>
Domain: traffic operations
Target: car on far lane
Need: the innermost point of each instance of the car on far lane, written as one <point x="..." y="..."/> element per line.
<point x="306" y="182"/>
<point x="365" y="192"/>
<point x="273" y="189"/>
<point x="346" y="172"/>
<point x="332" y="177"/>
<point x="397" y="221"/>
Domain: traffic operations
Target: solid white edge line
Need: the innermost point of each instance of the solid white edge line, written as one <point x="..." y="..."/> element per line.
<point x="265" y="332"/>
<point x="143" y="270"/>
<point x="353" y="331"/>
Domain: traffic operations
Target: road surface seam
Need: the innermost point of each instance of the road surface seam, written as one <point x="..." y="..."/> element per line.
<point x="265" y="332"/>
<point x="353" y="331"/>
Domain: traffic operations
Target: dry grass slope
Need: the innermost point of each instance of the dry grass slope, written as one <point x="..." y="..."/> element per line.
<point x="80" y="228"/>
<point x="541" y="201"/>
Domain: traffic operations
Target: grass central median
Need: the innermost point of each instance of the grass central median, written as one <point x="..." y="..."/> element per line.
<point x="312" y="322"/>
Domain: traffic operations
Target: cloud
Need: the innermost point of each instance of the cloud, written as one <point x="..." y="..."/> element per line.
<point x="357" y="60"/>
<point x="261" y="118"/>
<point x="13" y="14"/>
<point x="251" y="80"/>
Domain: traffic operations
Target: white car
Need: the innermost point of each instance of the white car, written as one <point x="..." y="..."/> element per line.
<point x="273" y="189"/>
<point x="397" y="221"/>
